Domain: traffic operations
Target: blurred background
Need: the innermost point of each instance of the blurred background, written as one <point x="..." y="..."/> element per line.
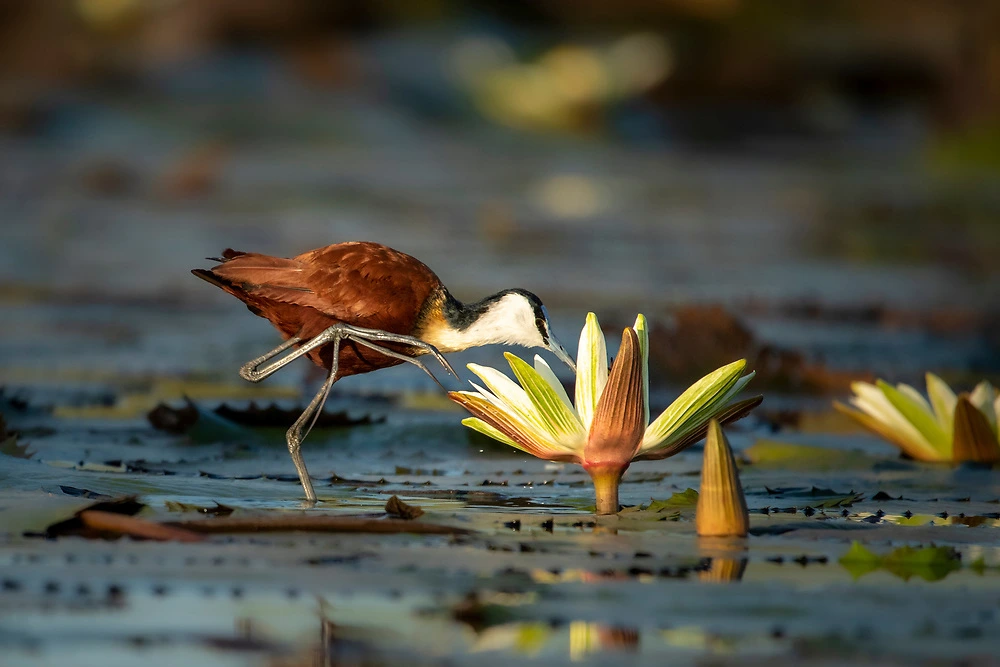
<point x="811" y="185"/>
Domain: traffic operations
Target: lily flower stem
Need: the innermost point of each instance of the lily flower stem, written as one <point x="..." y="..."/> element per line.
<point x="606" y="480"/>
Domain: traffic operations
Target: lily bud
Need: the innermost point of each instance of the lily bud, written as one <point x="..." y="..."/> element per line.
<point x="722" y="509"/>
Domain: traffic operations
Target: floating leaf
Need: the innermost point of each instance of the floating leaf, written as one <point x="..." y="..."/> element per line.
<point x="272" y="416"/>
<point x="84" y="493"/>
<point x="10" y="447"/>
<point x="686" y="499"/>
<point x="775" y="454"/>
<point x="859" y="561"/>
<point x="218" y="510"/>
<point x="841" y="501"/>
<point x="930" y="563"/>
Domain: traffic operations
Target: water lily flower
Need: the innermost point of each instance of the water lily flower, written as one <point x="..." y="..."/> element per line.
<point x="607" y="427"/>
<point x="944" y="428"/>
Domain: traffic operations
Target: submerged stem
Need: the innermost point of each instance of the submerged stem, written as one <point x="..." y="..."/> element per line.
<point x="606" y="481"/>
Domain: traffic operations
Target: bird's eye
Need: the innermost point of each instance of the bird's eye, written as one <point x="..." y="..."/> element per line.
<point x="543" y="329"/>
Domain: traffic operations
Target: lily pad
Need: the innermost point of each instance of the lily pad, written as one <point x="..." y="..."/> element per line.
<point x="776" y="454"/>
<point x="930" y="563"/>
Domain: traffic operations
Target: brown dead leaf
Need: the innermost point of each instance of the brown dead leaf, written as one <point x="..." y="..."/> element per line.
<point x="109" y="522"/>
<point x="397" y="508"/>
<point x="126" y="506"/>
<point x="273" y="416"/>
<point x="316" y="524"/>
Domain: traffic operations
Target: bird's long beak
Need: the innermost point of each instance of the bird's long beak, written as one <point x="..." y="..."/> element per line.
<point x="556" y="348"/>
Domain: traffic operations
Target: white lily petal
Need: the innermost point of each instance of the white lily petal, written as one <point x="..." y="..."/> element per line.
<point x="641" y="328"/>
<point x="983" y="397"/>
<point x="504" y="388"/>
<point x="520" y="411"/>
<point x="996" y="411"/>
<point x="543" y="369"/>
<point x="944" y="400"/>
<point x="591" y="370"/>
<point x="870" y="400"/>
<point x="560" y="420"/>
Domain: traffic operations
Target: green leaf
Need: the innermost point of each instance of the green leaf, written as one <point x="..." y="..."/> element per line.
<point x="842" y="501"/>
<point x="775" y="454"/>
<point x="918" y="415"/>
<point x="917" y="520"/>
<point x="686" y="499"/>
<point x="930" y="563"/>
<point x="859" y="561"/>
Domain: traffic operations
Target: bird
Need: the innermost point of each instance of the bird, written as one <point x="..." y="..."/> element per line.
<point x="358" y="306"/>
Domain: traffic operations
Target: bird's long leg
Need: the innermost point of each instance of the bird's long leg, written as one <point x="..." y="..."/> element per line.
<point x="379" y="335"/>
<point x="251" y="373"/>
<point x="395" y="355"/>
<point x="249" y="370"/>
<point x="295" y="435"/>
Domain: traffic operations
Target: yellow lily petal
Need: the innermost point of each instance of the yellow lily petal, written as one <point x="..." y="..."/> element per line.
<point x="982" y="397"/>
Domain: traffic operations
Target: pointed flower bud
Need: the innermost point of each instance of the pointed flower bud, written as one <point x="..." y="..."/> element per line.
<point x="973" y="438"/>
<point x="722" y="509"/>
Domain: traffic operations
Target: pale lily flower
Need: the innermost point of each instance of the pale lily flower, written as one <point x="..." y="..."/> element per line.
<point x="608" y="426"/>
<point x="945" y="428"/>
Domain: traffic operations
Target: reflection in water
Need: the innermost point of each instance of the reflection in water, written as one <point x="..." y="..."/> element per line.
<point x="726" y="557"/>
<point x="586" y="638"/>
<point x="722" y="570"/>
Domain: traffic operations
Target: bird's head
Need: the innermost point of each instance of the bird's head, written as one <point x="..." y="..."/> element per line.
<point x="517" y="317"/>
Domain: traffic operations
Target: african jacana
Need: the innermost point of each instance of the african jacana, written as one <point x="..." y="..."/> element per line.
<point x="357" y="307"/>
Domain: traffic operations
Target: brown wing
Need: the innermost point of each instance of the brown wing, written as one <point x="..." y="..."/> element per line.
<point x="369" y="284"/>
<point x="360" y="283"/>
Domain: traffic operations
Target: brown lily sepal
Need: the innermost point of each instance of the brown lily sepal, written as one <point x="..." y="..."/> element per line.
<point x="722" y="508"/>
<point x="608" y="427"/>
<point x="942" y="427"/>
